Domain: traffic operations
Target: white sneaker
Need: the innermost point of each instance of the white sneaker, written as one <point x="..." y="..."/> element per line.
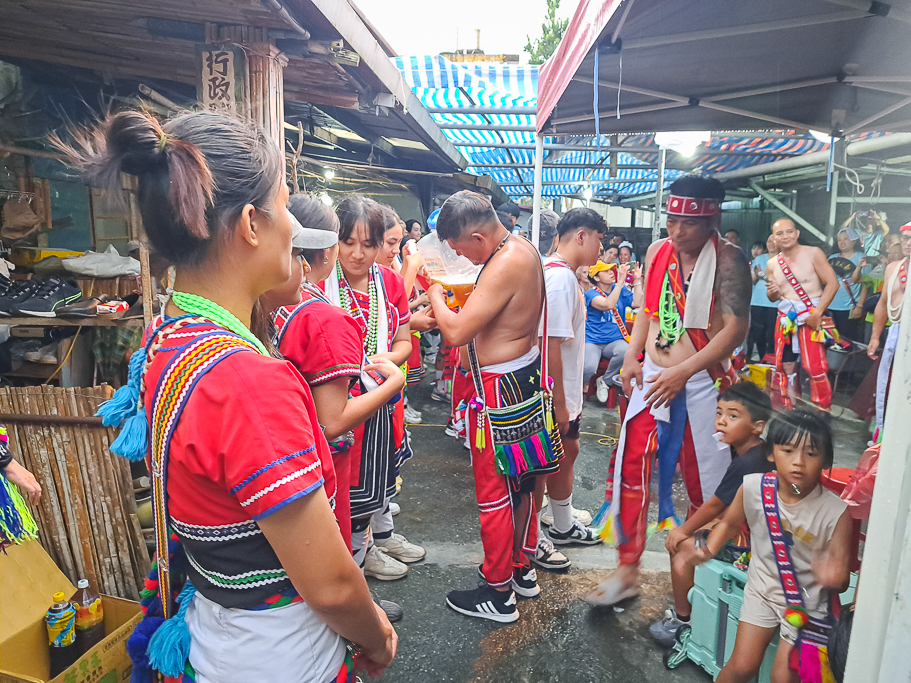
<point x="398" y="547"/>
<point x="380" y="566"/>
<point x="395" y="508"/>
<point x="412" y="417"/>
<point x="583" y="516"/>
<point x="601" y="389"/>
<point x="548" y="557"/>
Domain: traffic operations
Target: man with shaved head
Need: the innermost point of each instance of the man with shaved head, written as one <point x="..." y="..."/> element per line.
<point x="501" y="317"/>
<point x="803" y="283"/>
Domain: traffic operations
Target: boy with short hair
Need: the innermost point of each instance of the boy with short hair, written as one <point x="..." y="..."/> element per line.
<point x="741" y="417"/>
<point x="813" y="529"/>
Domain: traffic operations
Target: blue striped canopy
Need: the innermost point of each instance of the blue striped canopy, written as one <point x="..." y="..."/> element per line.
<point x="442" y="84"/>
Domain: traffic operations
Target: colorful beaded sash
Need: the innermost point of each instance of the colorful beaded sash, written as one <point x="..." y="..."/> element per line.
<point x="615" y="314"/>
<point x="813" y="635"/>
<point x="174" y="388"/>
<point x="826" y="332"/>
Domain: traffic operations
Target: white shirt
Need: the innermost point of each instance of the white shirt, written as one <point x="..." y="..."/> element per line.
<point x="566" y="320"/>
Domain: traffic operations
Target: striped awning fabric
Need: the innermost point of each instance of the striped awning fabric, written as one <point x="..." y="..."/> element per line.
<point x="442" y="84"/>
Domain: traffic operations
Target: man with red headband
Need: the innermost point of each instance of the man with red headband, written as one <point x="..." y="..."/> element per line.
<point x="803" y="283"/>
<point x="889" y="308"/>
<point x="696" y="312"/>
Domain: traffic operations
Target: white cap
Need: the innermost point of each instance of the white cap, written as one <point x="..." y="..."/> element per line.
<point x="83" y="583"/>
<point x="310" y="238"/>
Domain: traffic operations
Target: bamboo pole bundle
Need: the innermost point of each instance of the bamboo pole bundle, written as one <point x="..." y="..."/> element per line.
<point x="87" y="515"/>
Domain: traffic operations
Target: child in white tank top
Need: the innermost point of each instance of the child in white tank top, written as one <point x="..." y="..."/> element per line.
<point x="817" y="529"/>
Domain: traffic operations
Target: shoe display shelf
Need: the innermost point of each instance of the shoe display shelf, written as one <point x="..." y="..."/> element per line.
<point x="76" y="366"/>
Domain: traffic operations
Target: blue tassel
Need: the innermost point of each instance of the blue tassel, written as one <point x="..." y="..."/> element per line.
<point x="169" y="646"/>
<point x="125" y="401"/>
<point x="121" y="406"/>
<point x="133" y="441"/>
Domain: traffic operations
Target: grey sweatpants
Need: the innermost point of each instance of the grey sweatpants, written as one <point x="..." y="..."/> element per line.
<point x="595" y="352"/>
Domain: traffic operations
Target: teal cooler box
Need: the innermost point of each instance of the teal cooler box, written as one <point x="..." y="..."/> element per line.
<point x="716" y="597"/>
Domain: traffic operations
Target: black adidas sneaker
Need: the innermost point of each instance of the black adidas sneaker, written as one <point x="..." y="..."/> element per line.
<point x="53" y="293"/>
<point x="486" y="603"/>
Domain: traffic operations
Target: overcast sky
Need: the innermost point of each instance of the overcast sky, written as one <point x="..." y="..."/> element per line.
<point x="426" y="27"/>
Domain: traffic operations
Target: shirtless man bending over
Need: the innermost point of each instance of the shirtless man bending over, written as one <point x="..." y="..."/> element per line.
<point x="803" y="283"/>
<point x="704" y="282"/>
<point x="501" y="316"/>
<point x="889" y="308"/>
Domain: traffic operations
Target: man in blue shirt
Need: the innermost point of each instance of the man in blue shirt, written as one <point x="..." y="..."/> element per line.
<point x="605" y="329"/>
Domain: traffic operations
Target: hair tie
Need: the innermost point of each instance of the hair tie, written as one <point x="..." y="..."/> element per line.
<point x="162" y="141"/>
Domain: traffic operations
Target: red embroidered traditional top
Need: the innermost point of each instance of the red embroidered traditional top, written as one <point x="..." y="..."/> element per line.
<point x="321" y="340"/>
<point x="247" y="444"/>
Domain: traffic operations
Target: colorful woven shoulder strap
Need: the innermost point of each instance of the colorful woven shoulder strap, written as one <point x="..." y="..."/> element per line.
<point x="180" y="376"/>
<point x="795" y="283"/>
<point x="786" y="572"/>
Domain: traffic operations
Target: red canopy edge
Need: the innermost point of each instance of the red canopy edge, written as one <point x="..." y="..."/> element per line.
<point x="582" y="33"/>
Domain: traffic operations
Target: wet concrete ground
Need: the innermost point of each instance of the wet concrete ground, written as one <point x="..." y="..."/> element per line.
<point x="558" y="637"/>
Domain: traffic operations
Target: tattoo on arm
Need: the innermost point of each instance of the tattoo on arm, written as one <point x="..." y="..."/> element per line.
<point x="734" y="286"/>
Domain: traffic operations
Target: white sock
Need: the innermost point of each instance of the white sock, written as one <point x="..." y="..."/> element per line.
<point x="439" y="374"/>
<point x="540" y="516"/>
<point x="562" y="511"/>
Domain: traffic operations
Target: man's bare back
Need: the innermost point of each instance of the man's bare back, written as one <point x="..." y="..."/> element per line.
<point x="801" y="260"/>
<point x="515" y="271"/>
<point x="732" y="295"/>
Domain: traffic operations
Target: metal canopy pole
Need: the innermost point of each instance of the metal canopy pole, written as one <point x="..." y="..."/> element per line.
<point x="787" y="211"/>
<point x="659" y="195"/>
<point x="833" y="201"/>
<point x="539" y="178"/>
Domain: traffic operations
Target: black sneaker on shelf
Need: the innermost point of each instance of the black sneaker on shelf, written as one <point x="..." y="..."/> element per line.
<point x="485" y="602"/>
<point x="525" y="582"/>
<point x="578" y="534"/>
<point x="53" y="293"/>
<point x="20" y="291"/>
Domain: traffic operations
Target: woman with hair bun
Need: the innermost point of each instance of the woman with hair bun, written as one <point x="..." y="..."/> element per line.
<point x="241" y="473"/>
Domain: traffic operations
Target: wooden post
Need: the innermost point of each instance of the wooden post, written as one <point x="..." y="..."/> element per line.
<point x="265" y="64"/>
<point x="241" y="71"/>
<point x="147" y="292"/>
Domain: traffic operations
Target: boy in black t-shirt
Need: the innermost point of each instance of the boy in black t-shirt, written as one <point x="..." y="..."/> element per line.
<point x="743" y="410"/>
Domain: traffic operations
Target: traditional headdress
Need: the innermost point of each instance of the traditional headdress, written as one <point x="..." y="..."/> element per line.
<point x="695" y="196"/>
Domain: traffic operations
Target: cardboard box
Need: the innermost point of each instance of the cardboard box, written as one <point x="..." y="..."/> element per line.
<point x="28" y="580"/>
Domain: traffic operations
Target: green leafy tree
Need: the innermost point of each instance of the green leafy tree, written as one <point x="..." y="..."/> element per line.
<point x="552" y="32"/>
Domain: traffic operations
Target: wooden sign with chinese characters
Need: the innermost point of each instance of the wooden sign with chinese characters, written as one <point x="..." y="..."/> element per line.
<point x="221" y="82"/>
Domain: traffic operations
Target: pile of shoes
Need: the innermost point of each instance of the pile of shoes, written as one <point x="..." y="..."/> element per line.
<point x="39" y="298"/>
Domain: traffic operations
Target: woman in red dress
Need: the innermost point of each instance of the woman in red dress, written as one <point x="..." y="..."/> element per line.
<point x="374" y="296"/>
<point x="241" y="474"/>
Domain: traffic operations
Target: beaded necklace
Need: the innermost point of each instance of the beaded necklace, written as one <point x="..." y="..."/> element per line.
<point x="669" y="321"/>
<point x="350" y="304"/>
<point x="192" y="303"/>
<point x="901" y="274"/>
